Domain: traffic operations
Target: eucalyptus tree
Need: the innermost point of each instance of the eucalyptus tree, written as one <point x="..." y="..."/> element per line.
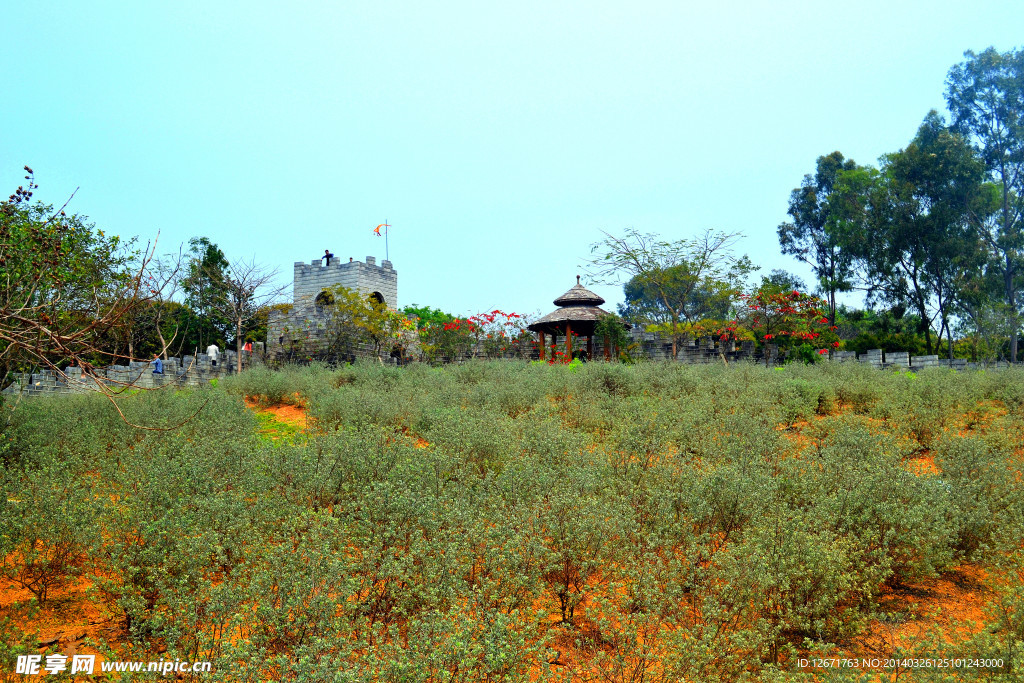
<point x="914" y="225"/>
<point x="812" y="236"/>
<point x="985" y="94"/>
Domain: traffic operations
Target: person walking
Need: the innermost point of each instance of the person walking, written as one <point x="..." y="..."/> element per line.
<point x="213" y="351"/>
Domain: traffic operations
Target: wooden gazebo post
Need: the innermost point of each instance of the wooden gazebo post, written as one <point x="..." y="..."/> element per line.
<point x="568" y="339"/>
<point x="543" y="350"/>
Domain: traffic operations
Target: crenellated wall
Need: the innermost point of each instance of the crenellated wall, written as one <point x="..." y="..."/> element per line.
<point x="190" y="371"/>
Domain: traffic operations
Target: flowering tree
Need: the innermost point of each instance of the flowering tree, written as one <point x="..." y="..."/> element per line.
<point x="451" y="340"/>
<point x="786" y="319"/>
<point x="495" y="333"/>
<point x="498" y="333"/>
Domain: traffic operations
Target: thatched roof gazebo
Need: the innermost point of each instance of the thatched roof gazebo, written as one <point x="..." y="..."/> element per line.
<point x="578" y="313"/>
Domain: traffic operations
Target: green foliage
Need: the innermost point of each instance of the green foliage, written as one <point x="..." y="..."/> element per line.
<point x="426" y="315"/>
<point x="892" y="330"/>
<point x="813" y="236"/>
<point x="67" y="287"/>
<point x="684" y="522"/>
<point x="613" y="333"/>
<point x="914" y="225"/>
<point x="351" y="319"/>
<point x="986" y="99"/>
<point x="47" y="528"/>
<point x="672" y="282"/>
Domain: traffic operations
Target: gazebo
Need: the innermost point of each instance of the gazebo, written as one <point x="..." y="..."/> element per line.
<point x="578" y="313"/>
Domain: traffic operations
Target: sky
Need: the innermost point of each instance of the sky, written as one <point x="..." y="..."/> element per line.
<point x="498" y="139"/>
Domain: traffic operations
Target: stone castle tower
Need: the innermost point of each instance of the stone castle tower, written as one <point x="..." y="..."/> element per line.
<point x="302" y="324"/>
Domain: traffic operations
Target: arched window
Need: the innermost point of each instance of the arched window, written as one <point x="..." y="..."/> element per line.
<point x="377" y="298"/>
<point x="322" y="301"/>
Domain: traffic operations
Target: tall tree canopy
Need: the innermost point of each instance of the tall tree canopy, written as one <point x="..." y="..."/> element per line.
<point x="985" y="94"/>
<point x="812" y="236"/>
<point x="914" y="224"/>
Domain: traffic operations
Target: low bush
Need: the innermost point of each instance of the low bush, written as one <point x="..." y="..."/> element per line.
<point x="458" y="523"/>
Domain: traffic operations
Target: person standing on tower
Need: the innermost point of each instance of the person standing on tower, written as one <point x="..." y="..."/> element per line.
<point x="328" y="255"/>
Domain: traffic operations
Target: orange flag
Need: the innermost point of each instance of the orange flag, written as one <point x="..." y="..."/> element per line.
<point x="377" y="229"/>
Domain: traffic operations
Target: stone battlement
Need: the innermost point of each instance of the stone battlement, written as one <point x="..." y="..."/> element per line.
<point x="310" y="279"/>
<point x="190" y="371"/>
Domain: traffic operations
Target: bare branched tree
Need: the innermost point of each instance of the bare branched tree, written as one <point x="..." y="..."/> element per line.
<point x="163" y="282"/>
<point x="678" y="278"/>
<point x="249" y="287"/>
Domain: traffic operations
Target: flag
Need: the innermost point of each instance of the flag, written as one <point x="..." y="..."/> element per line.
<point x="376" y="230"/>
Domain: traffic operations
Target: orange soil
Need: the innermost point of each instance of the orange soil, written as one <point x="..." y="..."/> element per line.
<point x="289" y="414"/>
<point x="953" y="602"/>
<point x="71" y="617"/>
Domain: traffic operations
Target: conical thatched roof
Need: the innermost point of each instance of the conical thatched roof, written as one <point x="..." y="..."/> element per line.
<point x="578" y="307"/>
<point x="569" y="314"/>
<point x="579" y="296"/>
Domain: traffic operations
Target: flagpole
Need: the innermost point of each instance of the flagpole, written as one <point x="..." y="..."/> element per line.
<point x="387" y="254"/>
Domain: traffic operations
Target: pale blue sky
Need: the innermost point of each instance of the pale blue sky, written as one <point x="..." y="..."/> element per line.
<point x="498" y="139"/>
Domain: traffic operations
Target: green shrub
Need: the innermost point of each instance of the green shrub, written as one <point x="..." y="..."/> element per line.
<point x="436" y="523"/>
<point x="984" y="493"/>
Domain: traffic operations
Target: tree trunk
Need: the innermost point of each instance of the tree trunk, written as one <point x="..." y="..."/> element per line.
<point x="1011" y="301"/>
<point x="238" y="344"/>
<point x="1011" y="298"/>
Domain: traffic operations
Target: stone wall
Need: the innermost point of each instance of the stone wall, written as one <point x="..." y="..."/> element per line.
<point x="367" y="278"/>
<point x="190" y="371"/>
<point x="196" y="371"/>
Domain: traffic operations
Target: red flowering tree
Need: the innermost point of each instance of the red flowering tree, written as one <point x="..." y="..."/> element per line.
<point x="787" y="319"/>
<point x="498" y="333"/>
<point x="495" y="334"/>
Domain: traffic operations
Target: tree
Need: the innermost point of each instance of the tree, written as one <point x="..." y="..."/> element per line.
<point x="352" y="318"/>
<point x="892" y="330"/>
<point x="985" y="95"/>
<point x="206" y="291"/>
<point x="610" y="329"/>
<point x="913" y="225"/>
<point x="643" y="302"/>
<point x="66" y="287"/>
<point x="782" y="281"/>
<point x="425" y="315"/>
<point x="784" y="318"/>
<point x="682" y="280"/>
<point x="164" y="282"/>
<point x="812" y="236"/>
<point x="244" y="289"/>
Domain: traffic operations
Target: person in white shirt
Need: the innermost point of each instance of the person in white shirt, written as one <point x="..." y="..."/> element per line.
<point x="212" y="351"/>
